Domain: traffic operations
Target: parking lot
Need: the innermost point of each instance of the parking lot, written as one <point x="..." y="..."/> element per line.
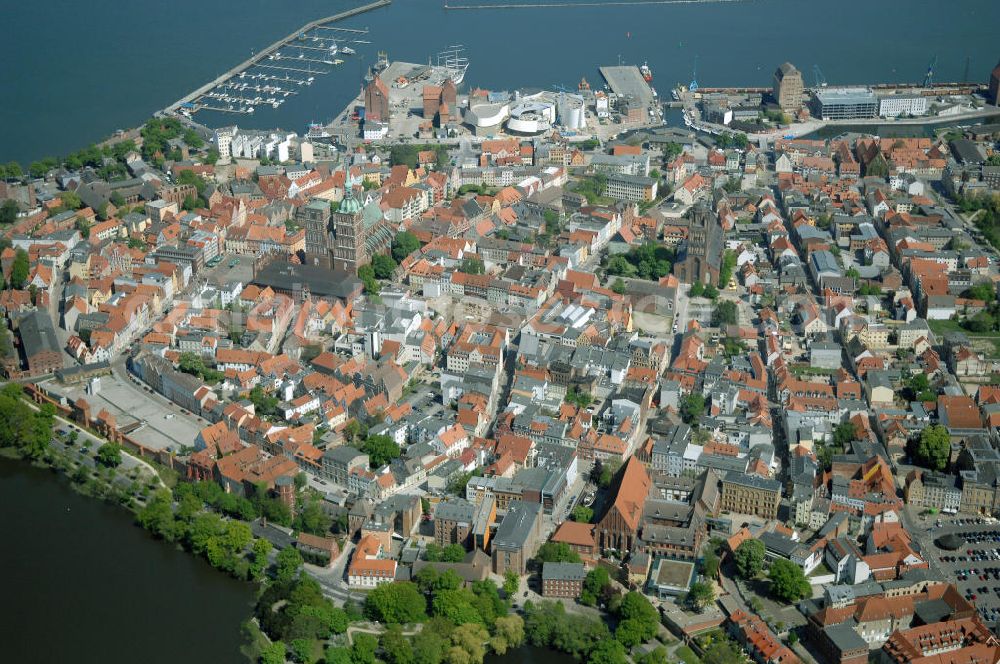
<point x="231" y="268"/>
<point x="162" y="425"/>
<point x="975" y="566"/>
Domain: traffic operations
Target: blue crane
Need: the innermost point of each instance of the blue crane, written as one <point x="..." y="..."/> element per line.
<point x="929" y="76"/>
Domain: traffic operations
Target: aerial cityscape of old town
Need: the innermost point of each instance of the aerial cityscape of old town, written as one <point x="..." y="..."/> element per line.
<point x="468" y="374"/>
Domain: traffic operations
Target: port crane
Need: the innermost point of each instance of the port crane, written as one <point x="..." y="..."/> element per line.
<point x="820" y="79"/>
<point x="929" y="76"/>
<point x="693" y="85"/>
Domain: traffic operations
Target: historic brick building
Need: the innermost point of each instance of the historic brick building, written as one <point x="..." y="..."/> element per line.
<point x="359" y="233"/>
<point x="618" y="528"/>
<point x="701" y="256"/>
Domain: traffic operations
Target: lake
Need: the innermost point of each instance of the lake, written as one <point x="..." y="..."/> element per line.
<point x="82" y="584"/>
<point x="531" y="655"/>
<point x="101" y="65"/>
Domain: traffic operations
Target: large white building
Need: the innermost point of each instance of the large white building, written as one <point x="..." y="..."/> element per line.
<point x="630" y="188"/>
<point x="223" y="142"/>
<point x="893" y="106"/>
<point x="532" y="115"/>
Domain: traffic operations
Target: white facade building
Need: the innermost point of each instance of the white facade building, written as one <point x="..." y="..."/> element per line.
<point x="895" y="105"/>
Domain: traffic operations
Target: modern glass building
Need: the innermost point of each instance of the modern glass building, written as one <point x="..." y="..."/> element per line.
<point x="845" y="104"/>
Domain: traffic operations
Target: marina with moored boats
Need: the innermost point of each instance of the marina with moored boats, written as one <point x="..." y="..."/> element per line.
<point x="274" y="74"/>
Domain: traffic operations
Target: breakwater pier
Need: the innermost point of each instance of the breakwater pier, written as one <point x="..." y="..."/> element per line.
<point x="271" y="76"/>
<point x="586" y="3"/>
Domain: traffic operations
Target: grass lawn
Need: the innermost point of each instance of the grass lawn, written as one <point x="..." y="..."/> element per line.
<point x="942" y="326"/>
<point x="821" y="569"/>
<point x="687" y="655"/>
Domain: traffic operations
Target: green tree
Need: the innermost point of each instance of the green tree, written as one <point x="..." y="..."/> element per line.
<point x="468" y="644"/>
<point x="843" y="434"/>
<point x="788" y="581"/>
<point x="70" y="200"/>
<point x="726" y="267"/>
<point x="428" y="647"/>
<point x="13" y="171"/>
<point x="352" y="431"/>
<point x="9" y="211"/>
<point x="981" y="322"/>
<point x="557" y="552"/>
<point x="19" y="269"/>
<point x="399" y="602"/>
<point x="608" y="652"/>
<point x="301" y="650"/>
<point x="258" y="558"/>
<point x="639" y="620"/>
<point x="453" y="553"/>
<point x="618" y="287"/>
<point x="657" y="655"/>
<point x="594" y="586"/>
<point x="193" y="140"/>
<point x="877" y="167"/>
<point x="312" y="519"/>
<point x="692" y="408"/>
<point x="110" y="455"/>
<point x="583" y="514"/>
<point x="383" y="266"/>
<point x="723" y="651"/>
<point x="697" y="289"/>
<point x="472" y="265"/>
<point x="749" y="558"/>
<point x="380" y="450"/>
<point x="367" y="275"/>
<point x="273" y="653"/>
<point x="337" y="655"/>
<point x="404" y="154"/>
<point x="700" y="596"/>
<point x="725" y="313"/>
<point x="671" y="150"/>
<point x="287" y="564"/>
<point x="934" y="447"/>
<point x="404" y="244"/>
<point x="620" y="265"/>
<point x="457" y="605"/>
<point x="363" y="649"/>
<point x="575" y="396"/>
<point x="511" y="582"/>
<point x="396" y="647"/>
<point x="158" y="515"/>
<point x="508" y="633"/>
<point x="710" y="564"/>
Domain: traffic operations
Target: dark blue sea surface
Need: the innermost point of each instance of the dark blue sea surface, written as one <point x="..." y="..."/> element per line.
<point x="73" y="72"/>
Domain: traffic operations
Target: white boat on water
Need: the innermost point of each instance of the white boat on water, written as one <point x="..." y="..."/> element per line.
<point x="347" y="50"/>
<point x="333" y="47"/>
